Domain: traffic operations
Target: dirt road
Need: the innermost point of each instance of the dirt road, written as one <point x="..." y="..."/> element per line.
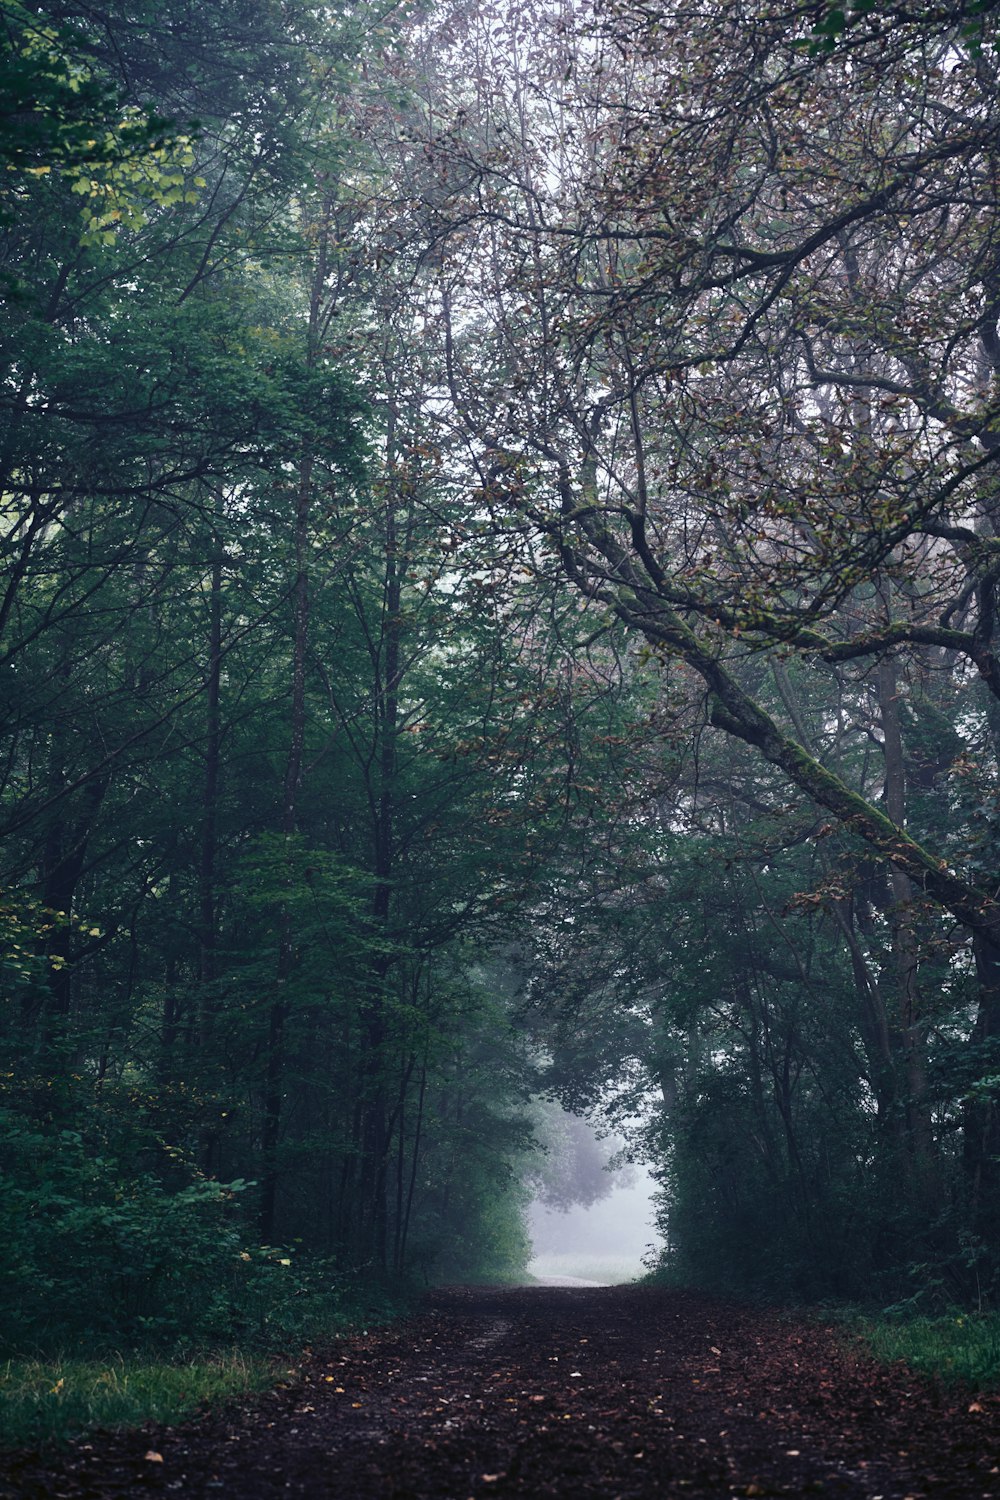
<point x="568" y="1392"/>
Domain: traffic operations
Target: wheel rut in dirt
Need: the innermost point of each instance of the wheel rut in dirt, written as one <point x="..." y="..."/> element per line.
<point x="551" y="1391"/>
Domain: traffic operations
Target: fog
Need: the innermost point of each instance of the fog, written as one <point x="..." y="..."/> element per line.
<point x="602" y="1241"/>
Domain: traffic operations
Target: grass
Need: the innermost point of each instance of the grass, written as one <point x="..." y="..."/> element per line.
<point x="961" y="1348"/>
<point x="607" y="1268"/>
<point x="48" y="1402"/>
<point x="53" y="1398"/>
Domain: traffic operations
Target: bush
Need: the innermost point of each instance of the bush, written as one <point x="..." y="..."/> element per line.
<point x="96" y="1248"/>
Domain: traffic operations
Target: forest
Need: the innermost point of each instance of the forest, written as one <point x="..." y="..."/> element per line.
<point x="500" y="529"/>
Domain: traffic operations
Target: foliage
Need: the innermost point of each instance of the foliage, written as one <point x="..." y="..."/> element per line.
<point x="250" y="736"/>
<point x="112" y="1234"/>
<point x="60" y="113"/>
<point x="500" y="600"/>
<point x="738" y="392"/>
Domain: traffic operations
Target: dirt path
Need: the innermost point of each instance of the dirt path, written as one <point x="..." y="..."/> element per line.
<point x="563" y="1392"/>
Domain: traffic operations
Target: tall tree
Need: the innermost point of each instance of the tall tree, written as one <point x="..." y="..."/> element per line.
<point x="739" y="379"/>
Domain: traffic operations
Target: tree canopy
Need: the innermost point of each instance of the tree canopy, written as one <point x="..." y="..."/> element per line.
<point x="500" y="558"/>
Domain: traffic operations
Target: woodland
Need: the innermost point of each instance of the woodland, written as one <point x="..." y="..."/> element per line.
<point x="500" y="534"/>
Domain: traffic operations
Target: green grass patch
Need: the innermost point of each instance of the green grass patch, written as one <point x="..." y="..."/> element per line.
<point x="51" y="1401"/>
<point x="960" y="1348"/>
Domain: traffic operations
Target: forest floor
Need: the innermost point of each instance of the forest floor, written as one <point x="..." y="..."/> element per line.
<point x="561" y="1391"/>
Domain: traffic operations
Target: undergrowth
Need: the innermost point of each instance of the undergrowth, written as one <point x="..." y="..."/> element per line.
<point x="52" y="1398"/>
<point x="50" y="1401"/>
<point x="960" y="1347"/>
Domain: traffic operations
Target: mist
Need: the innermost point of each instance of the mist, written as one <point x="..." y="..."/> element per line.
<point x="603" y="1238"/>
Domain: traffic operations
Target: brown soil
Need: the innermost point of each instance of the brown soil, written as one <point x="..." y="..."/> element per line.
<point x="562" y="1392"/>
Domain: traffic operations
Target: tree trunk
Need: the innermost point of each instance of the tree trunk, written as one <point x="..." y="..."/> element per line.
<point x="281" y="1009"/>
<point x="911" y="1028"/>
<point x="981" y="1115"/>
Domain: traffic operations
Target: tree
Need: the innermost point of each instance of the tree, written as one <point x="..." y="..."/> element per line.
<point x="739" y="378"/>
<point x="274" y="728"/>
